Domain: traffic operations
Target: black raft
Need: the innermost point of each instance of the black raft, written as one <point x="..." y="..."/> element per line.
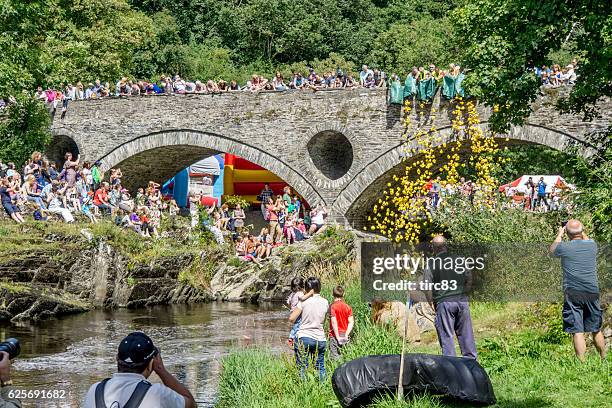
<point x="359" y="381"/>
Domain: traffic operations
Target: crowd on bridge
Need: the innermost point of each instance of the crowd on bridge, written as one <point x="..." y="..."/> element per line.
<point x="555" y="76"/>
<point x="421" y="83"/>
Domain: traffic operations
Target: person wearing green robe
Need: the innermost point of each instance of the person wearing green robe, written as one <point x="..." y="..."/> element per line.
<point x="410" y="86"/>
<point x="426" y="88"/>
<point x="451" y="83"/>
<point x="459" y="84"/>
<point x="448" y="86"/>
<point x="395" y="90"/>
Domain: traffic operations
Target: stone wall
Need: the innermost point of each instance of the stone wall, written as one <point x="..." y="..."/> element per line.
<point x="153" y="137"/>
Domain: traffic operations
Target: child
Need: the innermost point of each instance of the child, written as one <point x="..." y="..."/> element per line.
<point x="144" y="221"/>
<point x="173" y="211"/>
<point x="140" y="198"/>
<point x="290" y="229"/>
<point x="240" y="247"/>
<point x="266" y="243"/>
<point x="340" y="323"/>
<point x="87" y="206"/>
<point x="154" y="221"/>
<point x="297" y="295"/>
<point x="251" y="249"/>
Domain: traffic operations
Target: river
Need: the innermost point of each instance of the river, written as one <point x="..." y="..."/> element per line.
<point x="73" y="352"/>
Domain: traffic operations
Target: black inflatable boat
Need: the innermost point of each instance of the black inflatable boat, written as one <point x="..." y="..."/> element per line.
<point x="359" y="381"/>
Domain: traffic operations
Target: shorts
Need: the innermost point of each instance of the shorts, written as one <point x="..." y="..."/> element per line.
<point x="582" y="315"/>
<point x="10" y="208"/>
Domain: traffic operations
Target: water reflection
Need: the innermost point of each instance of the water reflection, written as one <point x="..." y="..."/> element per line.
<point x="73" y="352"/>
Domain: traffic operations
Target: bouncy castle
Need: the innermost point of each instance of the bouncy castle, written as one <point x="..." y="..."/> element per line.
<point x="221" y="175"/>
<point x="246" y="179"/>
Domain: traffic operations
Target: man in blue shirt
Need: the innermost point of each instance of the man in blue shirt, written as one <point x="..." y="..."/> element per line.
<point x="581" y="308"/>
<point x="542" y="192"/>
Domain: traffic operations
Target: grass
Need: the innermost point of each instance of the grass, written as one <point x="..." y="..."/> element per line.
<point x="527" y="356"/>
<point x="33" y="237"/>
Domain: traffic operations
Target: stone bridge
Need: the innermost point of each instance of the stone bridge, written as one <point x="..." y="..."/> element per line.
<point x="335" y="147"/>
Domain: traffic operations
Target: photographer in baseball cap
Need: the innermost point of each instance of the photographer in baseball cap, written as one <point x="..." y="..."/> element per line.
<point x="137" y="359"/>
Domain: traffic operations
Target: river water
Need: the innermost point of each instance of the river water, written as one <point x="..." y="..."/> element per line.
<point x="73" y="352"/>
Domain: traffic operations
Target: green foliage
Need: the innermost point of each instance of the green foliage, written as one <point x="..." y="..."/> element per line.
<point x="535" y="159"/>
<point x="466" y="223"/>
<point x="199" y="273"/>
<point x="24" y="128"/>
<point x="594" y="196"/>
<point x="23" y="27"/>
<point x="531" y="364"/>
<point x="207" y="61"/>
<point x="416" y="43"/>
<point x="500" y="37"/>
<point x="233" y="200"/>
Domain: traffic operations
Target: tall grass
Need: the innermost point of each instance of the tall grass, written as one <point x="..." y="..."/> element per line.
<point x="530" y="363"/>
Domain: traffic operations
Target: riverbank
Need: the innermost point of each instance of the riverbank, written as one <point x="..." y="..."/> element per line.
<point x="522" y="347"/>
<point x="53" y="269"/>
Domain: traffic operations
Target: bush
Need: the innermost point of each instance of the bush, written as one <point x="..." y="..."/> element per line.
<point x="463" y="222"/>
<point x="234" y="200"/>
<point x="24" y="128"/>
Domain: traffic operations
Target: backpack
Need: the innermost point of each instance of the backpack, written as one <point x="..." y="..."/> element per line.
<point x="134" y="400"/>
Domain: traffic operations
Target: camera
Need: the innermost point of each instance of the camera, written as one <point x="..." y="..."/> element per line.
<point x="12" y="347"/>
<point x="563" y="223"/>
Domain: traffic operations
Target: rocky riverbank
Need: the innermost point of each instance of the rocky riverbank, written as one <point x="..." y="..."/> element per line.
<point x="50" y="269"/>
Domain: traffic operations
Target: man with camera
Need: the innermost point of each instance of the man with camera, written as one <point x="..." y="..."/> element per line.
<point x="581" y="308"/>
<point x="8" y="350"/>
<point x="137" y="359"/>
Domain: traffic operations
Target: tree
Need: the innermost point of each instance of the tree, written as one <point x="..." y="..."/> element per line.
<point x="501" y="38"/>
<point x="417" y="43"/>
<point x="23" y="26"/>
<point x="24" y="128"/>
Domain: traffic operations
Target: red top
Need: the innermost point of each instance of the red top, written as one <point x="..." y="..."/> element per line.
<point x="341" y="311"/>
<point x="100" y="196"/>
<point x="272" y="215"/>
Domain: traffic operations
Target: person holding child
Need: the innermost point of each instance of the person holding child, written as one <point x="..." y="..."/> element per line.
<point x="311" y="342"/>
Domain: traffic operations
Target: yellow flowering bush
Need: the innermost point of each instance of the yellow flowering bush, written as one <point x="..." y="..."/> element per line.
<point x="403" y="211"/>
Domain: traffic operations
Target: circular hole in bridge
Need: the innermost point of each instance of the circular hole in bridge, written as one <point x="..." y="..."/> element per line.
<point x="332" y="153"/>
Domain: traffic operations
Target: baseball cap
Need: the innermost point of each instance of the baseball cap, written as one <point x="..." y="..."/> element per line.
<point x="136" y="348"/>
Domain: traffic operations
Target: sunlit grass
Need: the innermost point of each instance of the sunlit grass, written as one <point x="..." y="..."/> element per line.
<point x="530" y="362"/>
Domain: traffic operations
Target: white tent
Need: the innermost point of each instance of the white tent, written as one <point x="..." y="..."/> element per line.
<point x="520" y="184"/>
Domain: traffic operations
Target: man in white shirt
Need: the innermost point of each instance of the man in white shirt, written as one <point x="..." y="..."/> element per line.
<point x="137" y="359"/>
<point x="365" y="71"/>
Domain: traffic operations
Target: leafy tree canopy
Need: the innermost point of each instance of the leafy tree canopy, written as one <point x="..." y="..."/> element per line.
<point x="501" y="38"/>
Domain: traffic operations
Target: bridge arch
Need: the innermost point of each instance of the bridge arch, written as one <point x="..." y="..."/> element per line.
<point x="356" y="197"/>
<point x="60" y="144"/>
<point x="160" y="155"/>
